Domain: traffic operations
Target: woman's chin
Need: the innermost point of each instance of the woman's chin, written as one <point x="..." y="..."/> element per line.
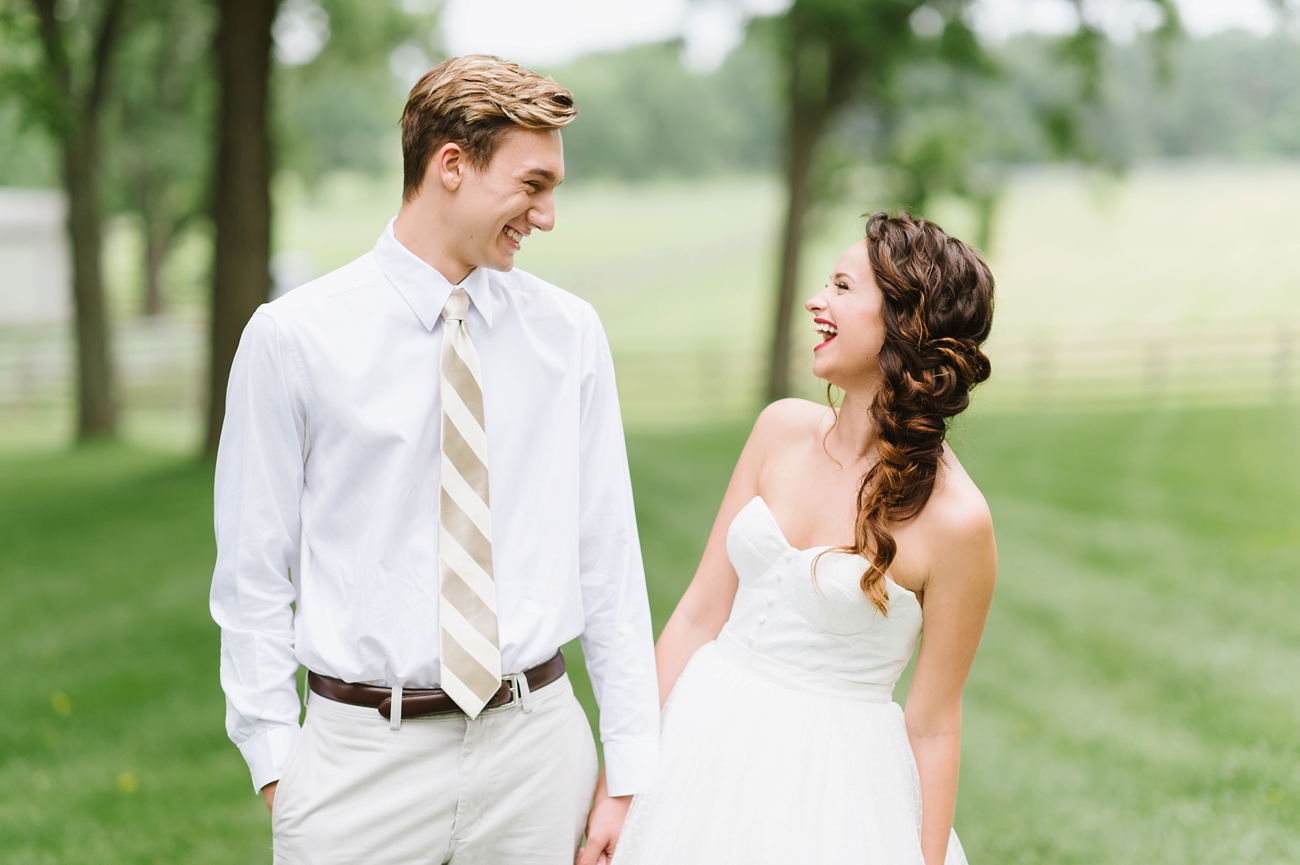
<point x="838" y="377"/>
<point x="824" y="371"/>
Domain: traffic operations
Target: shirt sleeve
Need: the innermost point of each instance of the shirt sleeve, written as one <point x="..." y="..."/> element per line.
<point x="618" y="641"/>
<point x="259" y="480"/>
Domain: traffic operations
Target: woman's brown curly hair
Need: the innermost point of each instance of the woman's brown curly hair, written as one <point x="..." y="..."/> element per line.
<point x="938" y="308"/>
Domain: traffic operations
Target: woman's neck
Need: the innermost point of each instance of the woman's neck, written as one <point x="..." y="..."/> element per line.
<point x="854" y="433"/>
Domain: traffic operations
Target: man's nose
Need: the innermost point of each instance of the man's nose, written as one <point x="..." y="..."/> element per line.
<point x="542" y="214"/>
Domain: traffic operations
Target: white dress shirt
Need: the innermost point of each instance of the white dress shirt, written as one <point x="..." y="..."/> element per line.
<point x="327" y="499"/>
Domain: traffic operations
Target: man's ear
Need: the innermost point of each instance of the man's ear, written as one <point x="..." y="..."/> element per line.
<point x="448" y="164"/>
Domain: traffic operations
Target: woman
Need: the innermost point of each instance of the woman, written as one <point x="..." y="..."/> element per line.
<point x="840" y="527"/>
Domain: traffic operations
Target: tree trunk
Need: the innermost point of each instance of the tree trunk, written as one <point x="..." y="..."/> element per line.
<point x="77" y="131"/>
<point x="242" y="202"/>
<point x="158" y="234"/>
<point x="97" y="415"/>
<point x="804" y="133"/>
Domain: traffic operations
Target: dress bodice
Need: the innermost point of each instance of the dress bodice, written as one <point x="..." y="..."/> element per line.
<point x="818" y="634"/>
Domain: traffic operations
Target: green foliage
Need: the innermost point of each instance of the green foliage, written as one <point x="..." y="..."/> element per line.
<point x="836" y="54"/>
<point x="1232" y="94"/>
<point x="642" y="114"/>
<point x="158" y="149"/>
<point x="28" y="105"/>
<point x="158" y="152"/>
<point x="837" y="49"/>
<point x="26" y="157"/>
<point x="340" y="110"/>
<point x="934" y="133"/>
<point x="336" y="120"/>
<point x="54" y="56"/>
<point x="25" y="80"/>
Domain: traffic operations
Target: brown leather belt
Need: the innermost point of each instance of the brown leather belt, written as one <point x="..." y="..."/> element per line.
<point x="422" y="702"/>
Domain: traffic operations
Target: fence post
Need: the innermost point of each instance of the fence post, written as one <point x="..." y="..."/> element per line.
<point x="1283" y="362"/>
<point x="1041" y="356"/>
<point x="1157" y="369"/>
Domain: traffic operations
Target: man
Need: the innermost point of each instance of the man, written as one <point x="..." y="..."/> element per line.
<point x="421" y="494"/>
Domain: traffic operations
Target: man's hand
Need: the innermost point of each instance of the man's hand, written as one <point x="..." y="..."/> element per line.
<point x="268" y="793"/>
<point x="604" y="824"/>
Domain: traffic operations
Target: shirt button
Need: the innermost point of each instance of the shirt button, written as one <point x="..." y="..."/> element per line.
<point x="771" y="599"/>
<point x="762" y="619"/>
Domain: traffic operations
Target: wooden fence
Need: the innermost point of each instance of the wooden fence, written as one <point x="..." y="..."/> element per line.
<point x="161" y="367"/>
<point x="1175" y="367"/>
<point x="160" y="364"/>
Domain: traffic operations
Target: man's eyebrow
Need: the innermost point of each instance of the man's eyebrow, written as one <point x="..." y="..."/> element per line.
<point x="544" y="173"/>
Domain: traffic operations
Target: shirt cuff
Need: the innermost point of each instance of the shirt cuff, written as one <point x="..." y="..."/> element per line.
<point x="630" y="765"/>
<point x="267" y="753"/>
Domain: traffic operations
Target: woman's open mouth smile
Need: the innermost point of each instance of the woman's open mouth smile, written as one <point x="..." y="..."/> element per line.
<point x="827" y="329"/>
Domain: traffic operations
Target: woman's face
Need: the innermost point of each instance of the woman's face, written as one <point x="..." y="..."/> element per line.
<point x="849" y="317"/>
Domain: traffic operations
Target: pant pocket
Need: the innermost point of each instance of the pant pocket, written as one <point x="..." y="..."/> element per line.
<point x="282" y="807"/>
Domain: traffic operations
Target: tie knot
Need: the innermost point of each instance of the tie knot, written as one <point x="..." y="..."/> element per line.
<point x="457" y="306"/>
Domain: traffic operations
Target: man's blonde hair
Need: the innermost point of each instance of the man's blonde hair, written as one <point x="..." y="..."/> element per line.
<point x="472" y="101"/>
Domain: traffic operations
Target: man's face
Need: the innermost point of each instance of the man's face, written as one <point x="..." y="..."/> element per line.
<point x="501" y="203"/>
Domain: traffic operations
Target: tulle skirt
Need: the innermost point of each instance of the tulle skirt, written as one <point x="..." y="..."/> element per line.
<point x="755" y="771"/>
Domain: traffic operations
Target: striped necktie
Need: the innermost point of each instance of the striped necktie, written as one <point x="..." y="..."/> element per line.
<point x="470" y="645"/>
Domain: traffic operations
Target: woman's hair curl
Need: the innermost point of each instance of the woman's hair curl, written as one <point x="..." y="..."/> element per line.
<point x="938" y="308"/>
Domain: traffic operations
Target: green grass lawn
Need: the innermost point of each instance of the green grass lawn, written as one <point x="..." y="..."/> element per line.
<point x="1136" y="699"/>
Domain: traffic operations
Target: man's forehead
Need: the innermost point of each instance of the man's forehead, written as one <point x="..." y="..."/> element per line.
<point x="534" y="153"/>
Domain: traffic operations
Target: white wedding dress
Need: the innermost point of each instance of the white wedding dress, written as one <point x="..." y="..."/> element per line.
<point x="781" y="743"/>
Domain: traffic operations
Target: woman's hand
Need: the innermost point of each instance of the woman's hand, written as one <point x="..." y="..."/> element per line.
<point x="604" y="824"/>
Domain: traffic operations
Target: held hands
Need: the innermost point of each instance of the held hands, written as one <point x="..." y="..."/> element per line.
<point x="268" y="793"/>
<point x="603" y="826"/>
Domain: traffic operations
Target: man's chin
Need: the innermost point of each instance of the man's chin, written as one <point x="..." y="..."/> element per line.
<point x="497" y="263"/>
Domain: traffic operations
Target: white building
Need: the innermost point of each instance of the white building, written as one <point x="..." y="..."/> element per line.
<point x="35" y="268"/>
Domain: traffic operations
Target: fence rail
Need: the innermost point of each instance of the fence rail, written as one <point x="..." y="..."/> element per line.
<point x="1224" y="365"/>
<point x="161" y="363"/>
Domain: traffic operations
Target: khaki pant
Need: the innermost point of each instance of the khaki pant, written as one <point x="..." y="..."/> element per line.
<point x="508" y="787"/>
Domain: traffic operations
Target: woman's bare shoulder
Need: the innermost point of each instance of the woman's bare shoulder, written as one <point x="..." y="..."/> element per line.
<point x="790" y="419"/>
<point x="956" y="529"/>
<point x="957" y="510"/>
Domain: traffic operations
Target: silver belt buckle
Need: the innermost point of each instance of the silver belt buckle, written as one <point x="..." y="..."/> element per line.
<point x="516" y="692"/>
<point x="520" y="694"/>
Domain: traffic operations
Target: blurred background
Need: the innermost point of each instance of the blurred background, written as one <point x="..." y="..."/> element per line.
<point x="1129" y="167"/>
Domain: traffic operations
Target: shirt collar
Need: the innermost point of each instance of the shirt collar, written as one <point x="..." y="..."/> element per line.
<point x="422" y="286"/>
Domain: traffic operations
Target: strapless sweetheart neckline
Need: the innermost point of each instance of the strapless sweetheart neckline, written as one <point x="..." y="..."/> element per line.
<point x="781" y="535"/>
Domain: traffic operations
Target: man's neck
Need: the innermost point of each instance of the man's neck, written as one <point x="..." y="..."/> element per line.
<point x="419" y="229"/>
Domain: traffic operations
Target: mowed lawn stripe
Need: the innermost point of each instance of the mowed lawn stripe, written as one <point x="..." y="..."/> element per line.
<point x="1134" y="699"/>
<point x="1137" y="696"/>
